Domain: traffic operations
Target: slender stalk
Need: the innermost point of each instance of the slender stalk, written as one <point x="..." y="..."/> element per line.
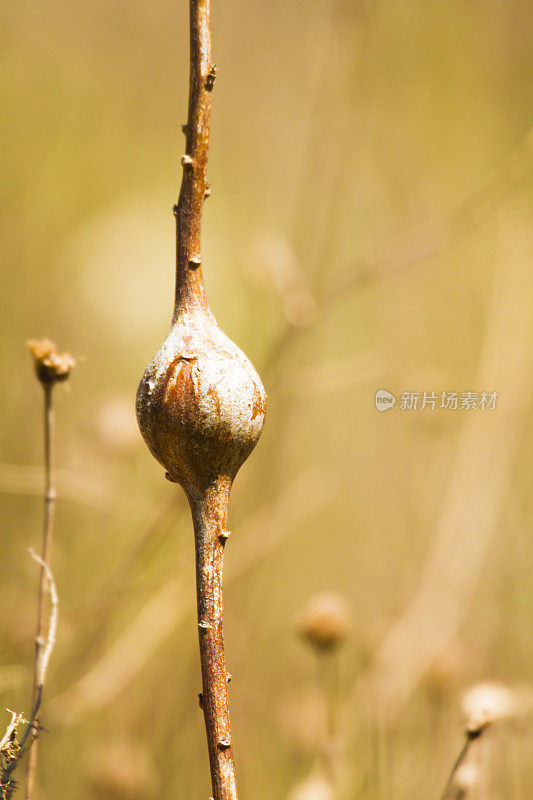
<point x="201" y="406"/>
<point x="209" y="507"/>
<point x="48" y="531"/>
<point x="209" y="513"/>
<point x="194" y="186"/>
<point x="328" y="682"/>
<point x="471" y="736"/>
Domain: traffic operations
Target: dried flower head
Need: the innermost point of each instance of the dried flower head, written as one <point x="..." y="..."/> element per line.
<point x="486" y="703"/>
<point x="50" y="365"/>
<point x="314" y="787"/>
<point x="324" y="622"/>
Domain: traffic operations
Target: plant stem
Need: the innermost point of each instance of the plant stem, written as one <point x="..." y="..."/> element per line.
<point x="194" y="186"/>
<point x="458" y="762"/>
<point x="48" y="529"/>
<point x="209" y="507"/>
<point x="209" y="513"/>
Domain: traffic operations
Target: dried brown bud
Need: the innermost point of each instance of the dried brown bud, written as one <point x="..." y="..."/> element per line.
<point x="50" y="365"/>
<point x="324" y="622"/>
<point x="486" y="703"/>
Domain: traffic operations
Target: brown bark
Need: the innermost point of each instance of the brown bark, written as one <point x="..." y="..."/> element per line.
<point x="209" y="517"/>
<point x="194" y="186"/>
<point x="201" y="407"/>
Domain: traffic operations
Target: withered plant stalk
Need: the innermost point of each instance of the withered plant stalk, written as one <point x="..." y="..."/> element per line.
<point x="201" y="407"/>
<point x="471" y="735"/>
<point x="51" y="367"/>
<point x="46" y="549"/>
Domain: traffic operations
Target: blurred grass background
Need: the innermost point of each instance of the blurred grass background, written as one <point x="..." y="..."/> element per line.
<point x="339" y="128"/>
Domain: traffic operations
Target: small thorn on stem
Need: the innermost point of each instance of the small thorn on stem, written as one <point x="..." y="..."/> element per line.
<point x="184" y="129"/>
<point x="175" y="209"/>
<point x="195" y="262"/>
<point x="224" y="744"/>
<point x="186" y="161"/>
<point x="204" y="625"/>
<point x="200" y="700"/>
<point x="224" y="536"/>
<point x="228" y="677"/>
<point x="207" y="190"/>
<point x="169" y="477"/>
<point x="210" y="80"/>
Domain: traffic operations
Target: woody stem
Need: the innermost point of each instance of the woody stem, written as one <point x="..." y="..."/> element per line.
<point x="194" y="184"/>
<point x="209" y="513"/>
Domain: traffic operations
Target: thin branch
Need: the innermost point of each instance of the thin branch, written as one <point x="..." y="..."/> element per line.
<point x="194" y="186"/>
<point x="209" y="513"/>
<point x="52" y="625"/>
<point x="42" y="649"/>
<point x="465" y="749"/>
<point x="31" y="732"/>
<point x="51" y="367"/>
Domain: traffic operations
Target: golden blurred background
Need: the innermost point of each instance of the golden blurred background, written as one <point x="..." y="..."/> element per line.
<point x="370" y="227"/>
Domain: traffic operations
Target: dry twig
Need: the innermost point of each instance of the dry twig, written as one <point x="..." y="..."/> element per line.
<point x="201" y="407"/>
<point x="12" y="750"/>
<point x="51" y="367"/>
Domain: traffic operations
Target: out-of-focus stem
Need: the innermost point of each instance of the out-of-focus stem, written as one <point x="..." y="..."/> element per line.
<point x="470" y="737"/>
<point x="328" y="680"/>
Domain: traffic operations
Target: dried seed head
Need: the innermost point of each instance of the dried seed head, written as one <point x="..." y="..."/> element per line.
<point x="324" y="622"/>
<point x="50" y="365"/>
<point x="486" y="703"/>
